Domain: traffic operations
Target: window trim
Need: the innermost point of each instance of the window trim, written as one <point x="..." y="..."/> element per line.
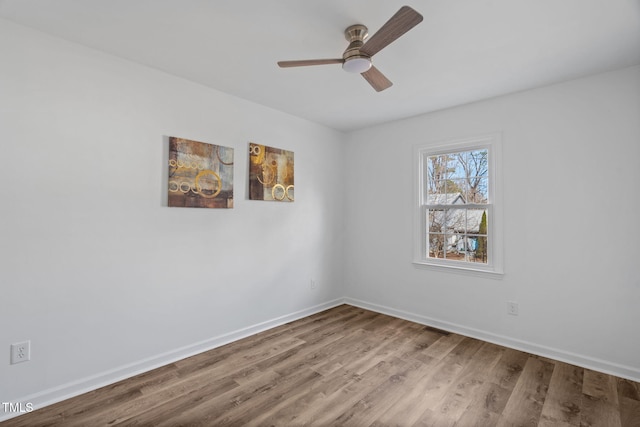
<point x="492" y="142"/>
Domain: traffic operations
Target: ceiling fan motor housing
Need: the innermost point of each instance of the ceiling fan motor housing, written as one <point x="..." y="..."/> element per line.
<point x="354" y="60"/>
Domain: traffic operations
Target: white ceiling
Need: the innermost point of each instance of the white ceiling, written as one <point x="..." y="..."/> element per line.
<point x="463" y="51"/>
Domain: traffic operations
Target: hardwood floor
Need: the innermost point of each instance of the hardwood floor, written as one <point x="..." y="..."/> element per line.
<point x="353" y="367"/>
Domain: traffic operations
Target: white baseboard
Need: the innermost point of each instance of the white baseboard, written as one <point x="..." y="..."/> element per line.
<point x="72" y="389"/>
<point x="604" y="366"/>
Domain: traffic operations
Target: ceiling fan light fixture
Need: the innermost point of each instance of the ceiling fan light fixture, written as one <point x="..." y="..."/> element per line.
<point x="358" y="64"/>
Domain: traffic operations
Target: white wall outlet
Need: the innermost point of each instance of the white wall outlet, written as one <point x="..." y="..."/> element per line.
<point x="20" y="352"/>
<point x="513" y="308"/>
<point x="313" y="284"/>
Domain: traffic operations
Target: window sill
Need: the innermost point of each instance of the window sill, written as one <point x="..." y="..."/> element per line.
<point x="461" y="269"/>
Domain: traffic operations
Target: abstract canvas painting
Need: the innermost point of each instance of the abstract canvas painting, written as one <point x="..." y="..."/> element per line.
<point x="270" y="173"/>
<point x="200" y="174"/>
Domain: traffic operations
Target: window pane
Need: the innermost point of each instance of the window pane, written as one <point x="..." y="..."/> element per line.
<point x="480" y="193"/>
<point x="435" y="226"/>
<point x="439" y="186"/>
<point x="455" y="247"/>
<point x="474" y="221"/>
<point x="439" y="169"/>
<point x="435" y="244"/>
<point x="478" y="233"/>
<point x="435" y="220"/>
<point x="456" y="221"/>
<point x="479" y="254"/>
<point x="457" y="186"/>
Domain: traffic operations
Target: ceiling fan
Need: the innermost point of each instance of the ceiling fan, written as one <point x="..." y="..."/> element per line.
<point x="357" y="57"/>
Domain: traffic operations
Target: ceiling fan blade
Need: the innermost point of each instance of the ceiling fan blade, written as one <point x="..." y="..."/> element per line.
<point x="376" y="79"/>
<point x="307" y="62"/>
<point x="405" y="19"/>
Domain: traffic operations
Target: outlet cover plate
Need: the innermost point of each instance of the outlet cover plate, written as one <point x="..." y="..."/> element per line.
<point x="20" y="352"/>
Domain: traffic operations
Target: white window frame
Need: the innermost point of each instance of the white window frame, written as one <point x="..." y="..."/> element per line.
<point x="495" y="245"/>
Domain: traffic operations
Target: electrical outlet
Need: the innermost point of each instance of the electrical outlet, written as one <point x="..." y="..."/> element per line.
<point x="512" y="308"/>
<point x="313" y="284"/>
<point x="20" y="352"/>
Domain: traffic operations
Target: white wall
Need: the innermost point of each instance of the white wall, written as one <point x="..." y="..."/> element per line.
<point x="95" y="270"/>
<point x="105" y="280"/>
<point x="570" y="163"/>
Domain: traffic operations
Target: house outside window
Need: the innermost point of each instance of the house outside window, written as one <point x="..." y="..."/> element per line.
<point x="458" y="216"/>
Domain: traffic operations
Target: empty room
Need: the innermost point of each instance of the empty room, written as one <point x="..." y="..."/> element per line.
<point x="209" y="218"/>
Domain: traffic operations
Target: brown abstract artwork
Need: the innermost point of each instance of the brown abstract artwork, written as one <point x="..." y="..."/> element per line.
<point x="270" y="173"/>
<point x="200" y="174"/>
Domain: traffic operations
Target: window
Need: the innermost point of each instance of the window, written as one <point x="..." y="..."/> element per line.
<point x="458" y="217"/>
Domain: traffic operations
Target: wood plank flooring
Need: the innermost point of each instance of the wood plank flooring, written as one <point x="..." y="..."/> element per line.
<point x="352" y="367"/>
